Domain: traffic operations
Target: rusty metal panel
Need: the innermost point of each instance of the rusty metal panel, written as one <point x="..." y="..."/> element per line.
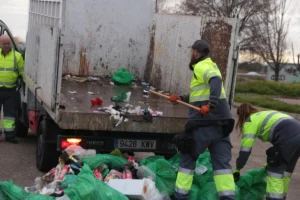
<point x="101" y="36"/>
<point x="171" y="37"/>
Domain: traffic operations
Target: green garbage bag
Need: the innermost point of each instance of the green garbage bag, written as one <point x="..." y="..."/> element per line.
<point x="87" y="187"/>
<point x="38" y="197"/>
<point x="208" y="191"/>
<point x="122" y="76"/>
<point x="119" y="98"/>
<point x="165" y="175"/>
<point x="150" y="159"/>
<point x="10" y="191"/>
<point x="252" y="185"/>
<point x="69" y="180"/>
<point x="110" y="160"/>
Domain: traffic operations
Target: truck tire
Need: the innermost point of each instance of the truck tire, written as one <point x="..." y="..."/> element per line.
<point x="46" y="153"/>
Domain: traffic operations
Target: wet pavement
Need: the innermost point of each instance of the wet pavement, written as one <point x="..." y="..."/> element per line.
<point x="18" y="162"/>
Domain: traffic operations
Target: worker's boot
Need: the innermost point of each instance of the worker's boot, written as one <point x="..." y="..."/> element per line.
<point x="12" y="140"/>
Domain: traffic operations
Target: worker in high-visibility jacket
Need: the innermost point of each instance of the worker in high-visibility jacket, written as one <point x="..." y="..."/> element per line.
<point x="11" y="67"/>
<point x="208" y="128"/>
<point x="283" y="132"/>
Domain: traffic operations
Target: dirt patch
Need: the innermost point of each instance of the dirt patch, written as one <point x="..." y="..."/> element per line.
<point x="150" y="58"/>
<point x="218" y="34"/>
<point x="84" y="64"/>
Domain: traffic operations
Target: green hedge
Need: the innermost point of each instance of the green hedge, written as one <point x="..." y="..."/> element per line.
<point x="269" y="88"/>
<point x="266" y="102"/>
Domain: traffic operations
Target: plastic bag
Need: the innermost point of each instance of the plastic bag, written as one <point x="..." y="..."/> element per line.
<point x="88" y="188"/>
<point x="80" y="152"/>
<point x="68" y="180"/>
<point x="252" y="185"/>
<point x="110" y="160"/>
<point x="119" y="98"/>
<point x="9" y="191"/>
<point x="150" y="159"/>
<point x="122" y="76"/>
<point x="165" y="175"/>
<point x="38" y="197"/>
<point x="152" y="192"/>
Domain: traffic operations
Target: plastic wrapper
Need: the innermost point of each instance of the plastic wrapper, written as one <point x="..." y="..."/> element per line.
<point x="80" y="152"/>
<point x="165" y="174"/>
<point x="152" y="191"/>
<point x="9" y="191"/>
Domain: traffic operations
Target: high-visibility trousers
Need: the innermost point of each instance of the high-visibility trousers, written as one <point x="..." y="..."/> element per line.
<point x="210" y="137"/>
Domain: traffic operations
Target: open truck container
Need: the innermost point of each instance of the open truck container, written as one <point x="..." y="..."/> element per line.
<point x="97" y="38"/>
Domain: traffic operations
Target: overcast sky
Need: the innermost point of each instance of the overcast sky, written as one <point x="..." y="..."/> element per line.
<point x="15" y="14"/>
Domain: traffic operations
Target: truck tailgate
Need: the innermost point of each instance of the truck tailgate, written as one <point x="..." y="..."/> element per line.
<point x="79" y="114"/>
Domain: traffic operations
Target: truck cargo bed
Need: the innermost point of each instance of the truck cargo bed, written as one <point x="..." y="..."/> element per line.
<point x="76" y="111"/>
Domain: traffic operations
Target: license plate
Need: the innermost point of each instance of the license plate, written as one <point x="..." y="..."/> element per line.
<point x="135" y="144"/>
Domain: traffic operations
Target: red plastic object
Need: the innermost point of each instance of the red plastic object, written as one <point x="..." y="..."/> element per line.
<point x="33" y="121"/>
<point x="96" y="101"/>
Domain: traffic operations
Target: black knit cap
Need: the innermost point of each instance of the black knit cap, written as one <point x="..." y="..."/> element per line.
<point x="201" y="46"/>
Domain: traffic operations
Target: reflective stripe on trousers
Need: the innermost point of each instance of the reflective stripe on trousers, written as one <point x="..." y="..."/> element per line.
<point x="224" y="182"/>
<point x="286" y="182"/>
<point x="9" y="124"/>
<point x="274" y="186"/>
<point x="184" y="180"/>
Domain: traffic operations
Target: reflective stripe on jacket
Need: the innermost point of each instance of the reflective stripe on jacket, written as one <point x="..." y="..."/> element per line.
<point x="199" y="87"/>
<point x="11" y="66"/>
<point x="261" y="125"/>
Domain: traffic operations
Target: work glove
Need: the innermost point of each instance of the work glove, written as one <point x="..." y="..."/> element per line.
<point x="204" y="110"/>
<point x="236" y="175"/>
<point x="173" y="98"/>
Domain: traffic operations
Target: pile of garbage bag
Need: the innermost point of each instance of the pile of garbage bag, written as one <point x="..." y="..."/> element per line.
<point x="84" y="175"/>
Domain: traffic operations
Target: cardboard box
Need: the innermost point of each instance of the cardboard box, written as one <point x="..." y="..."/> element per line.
<point x="132" y="188"/>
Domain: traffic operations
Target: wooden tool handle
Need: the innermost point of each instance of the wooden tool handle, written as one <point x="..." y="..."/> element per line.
<point x="178" y="101"/>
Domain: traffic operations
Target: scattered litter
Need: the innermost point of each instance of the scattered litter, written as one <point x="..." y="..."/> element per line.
<point x="72" y="92"/>
<point x="72" y="98"/>
<point x="91" y="93"/>
<point x="145" y="84"/>
<point x="157" y="113"/>
<point x="134" y="86"/>
<point x="75" y="78"/>
<point x="201" y="169"/>
<point x="152" y="88"/>
<point x="96" y="101"/>
<point x="123" y="97"/>
<point x="126" y="120"/>
<point x="111" y="83"/>
<point x="128" y="94"/>
<point x="90" y="78"/>
<point x="161" y="91"/>
<point x="146" y="96"/>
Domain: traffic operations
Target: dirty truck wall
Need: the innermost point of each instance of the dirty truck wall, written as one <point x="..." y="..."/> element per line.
<point x="152" y="46"/>
<point x="171" y="37"/>
<point x="101" y="36"/>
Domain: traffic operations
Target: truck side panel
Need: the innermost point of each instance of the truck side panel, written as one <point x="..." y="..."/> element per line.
<point x="101" y="36"/>
<point x="174" y="34"/>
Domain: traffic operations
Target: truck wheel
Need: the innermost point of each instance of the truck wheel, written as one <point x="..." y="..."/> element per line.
<point x="21" y="129"/>
<point x="46" y="153"/>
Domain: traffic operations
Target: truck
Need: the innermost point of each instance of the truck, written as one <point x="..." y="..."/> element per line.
<point x="73" y="47"/>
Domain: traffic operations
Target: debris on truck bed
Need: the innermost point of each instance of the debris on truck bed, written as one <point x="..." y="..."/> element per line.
<point x="83" y="174"/>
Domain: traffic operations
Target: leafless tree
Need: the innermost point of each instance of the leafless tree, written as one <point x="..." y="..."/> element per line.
<point x="246" y="10"/>
<point x="296" y="70"/>
<point x="269" y="31"/>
